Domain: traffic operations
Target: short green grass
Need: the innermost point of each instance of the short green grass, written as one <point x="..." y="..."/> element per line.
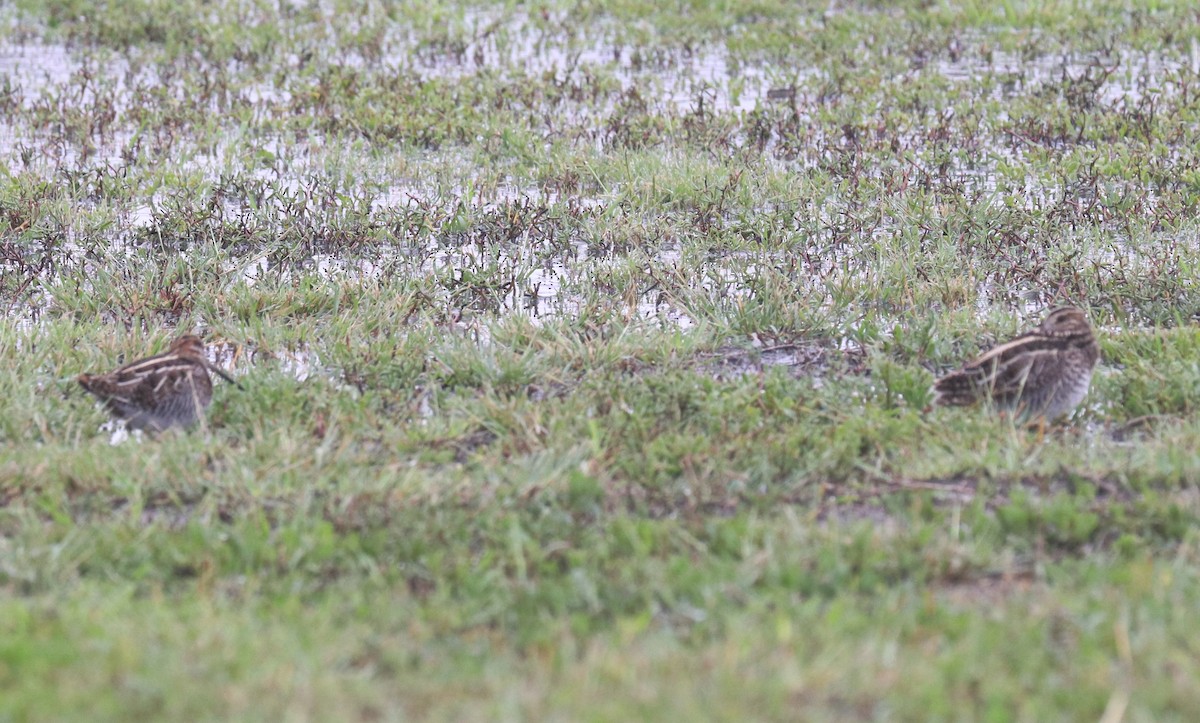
<point x="586" y="351"/>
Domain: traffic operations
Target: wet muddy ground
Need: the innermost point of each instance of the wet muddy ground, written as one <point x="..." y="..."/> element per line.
<point x="585" y="353"/>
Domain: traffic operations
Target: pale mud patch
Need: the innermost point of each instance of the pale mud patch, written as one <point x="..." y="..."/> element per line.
<point x="803" y="358"/>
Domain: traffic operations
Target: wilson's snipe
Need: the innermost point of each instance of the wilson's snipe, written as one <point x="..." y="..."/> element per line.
<point x="1044" y="372"/>
<point x="160" y="391"/>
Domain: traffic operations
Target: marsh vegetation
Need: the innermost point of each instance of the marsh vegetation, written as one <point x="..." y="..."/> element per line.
<point x="585" y="349"/>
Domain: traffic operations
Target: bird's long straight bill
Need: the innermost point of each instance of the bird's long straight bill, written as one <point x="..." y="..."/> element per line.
<point x="221" y="373"/>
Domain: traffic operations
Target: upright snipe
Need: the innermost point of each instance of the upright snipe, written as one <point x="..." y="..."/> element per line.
<point x="161" y="391"/>
<point x="1044" y="372"/>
